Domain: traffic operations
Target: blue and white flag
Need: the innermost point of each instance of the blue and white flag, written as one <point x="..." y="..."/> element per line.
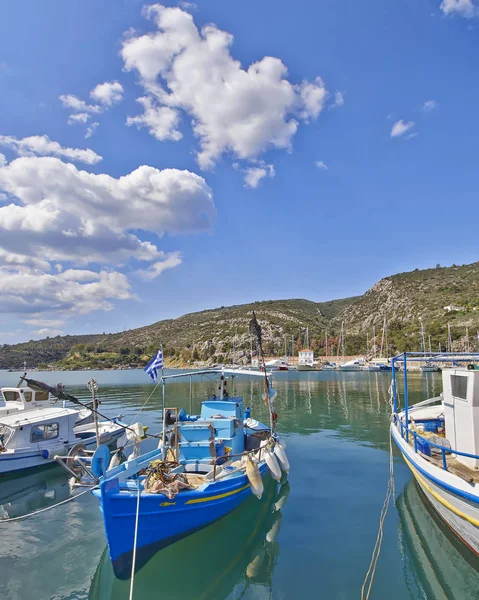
<point x="155" y="363"/>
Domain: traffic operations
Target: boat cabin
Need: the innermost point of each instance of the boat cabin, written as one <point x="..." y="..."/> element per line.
<point x="306" y="357"/>
<point x="15" y="399"/>
<point x="47" y="428"/>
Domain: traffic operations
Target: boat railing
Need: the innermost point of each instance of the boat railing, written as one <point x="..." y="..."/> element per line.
<point x="405" y="432"/>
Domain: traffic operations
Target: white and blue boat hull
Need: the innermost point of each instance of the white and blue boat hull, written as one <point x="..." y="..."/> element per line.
<point x="455" y="500"/>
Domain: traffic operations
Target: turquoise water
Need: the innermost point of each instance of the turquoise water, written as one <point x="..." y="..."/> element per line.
<point x="320" y="542"/>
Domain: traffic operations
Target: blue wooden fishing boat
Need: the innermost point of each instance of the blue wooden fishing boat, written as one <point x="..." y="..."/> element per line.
<point x="204" y="467"/>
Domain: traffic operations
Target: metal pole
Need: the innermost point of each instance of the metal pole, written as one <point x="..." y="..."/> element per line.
<point x="163" y="436"/>
<point x="406" y="398"/>
<point x="394" y="387"/>
<point x="92" y="385"/>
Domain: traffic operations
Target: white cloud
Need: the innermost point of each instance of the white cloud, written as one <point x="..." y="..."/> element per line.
<point x="44" y="292"/>
<point x="78" y="118"/>
<point x="3" y="160"/>
<point x="77" y="105"/>
<point x="62" y="214"/>
<point x="253" y="175"/>
<point x="91" y="130"/>
<point x="161" y="121"/>
<point x="108" y="93"/>
<point x="67" y="214"/>
<point x="48" y="332"/>
<point x="44" y="322"/>
<point x="401" y="127"/>
<point x="429" y="105"/>
<point x="169" y="261"/>
<point x="321" y="165"/>
<point x="240" y="111"/>
<point x="465" y="8"/>
<point x="104" y="94"/>
<point x="338" y="100"/>
<point x="42" y="145"/>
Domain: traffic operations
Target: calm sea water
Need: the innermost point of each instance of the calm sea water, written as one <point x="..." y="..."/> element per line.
<point x="336" y="428"/>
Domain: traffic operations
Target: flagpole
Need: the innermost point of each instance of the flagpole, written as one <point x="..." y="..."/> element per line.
<point x="163" y="437"/>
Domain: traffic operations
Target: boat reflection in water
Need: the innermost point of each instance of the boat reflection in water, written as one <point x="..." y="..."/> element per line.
<point x="437" y="565"/>
<point x="22" y="495"/>
<point x="232" y="555"/>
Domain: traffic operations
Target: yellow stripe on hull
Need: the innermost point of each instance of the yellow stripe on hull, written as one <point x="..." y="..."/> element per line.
<point x="439" y="498"/>
<point x="218" y="497"/>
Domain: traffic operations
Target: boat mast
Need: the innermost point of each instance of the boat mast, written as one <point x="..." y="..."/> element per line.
<point x="93" y="387"/>
<point x="374" y="341"/>
<point x="467" y="339"/>
<point x="449" y="338"/>
<point x="327" y="341"/>
<point x="430" y="347"/>
<point x="422" y="337"/>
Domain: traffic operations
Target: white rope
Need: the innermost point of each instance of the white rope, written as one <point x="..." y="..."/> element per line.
<point x="132" y="583"/>
<point x="37" y="512"/>
<point x="390" y="493"/>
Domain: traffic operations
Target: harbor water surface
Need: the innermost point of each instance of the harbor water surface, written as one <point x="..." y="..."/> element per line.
<point x="319" y="544"/>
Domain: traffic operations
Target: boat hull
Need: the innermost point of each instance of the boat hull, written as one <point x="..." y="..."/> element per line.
<point x="454" y="500"/>
<point x="26" y="460"/>
<point x="162" y="522"/>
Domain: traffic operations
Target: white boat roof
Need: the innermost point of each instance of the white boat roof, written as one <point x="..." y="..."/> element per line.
<point x="21" y="418"/>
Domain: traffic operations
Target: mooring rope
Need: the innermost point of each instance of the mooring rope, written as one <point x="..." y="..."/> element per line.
<point x="37" y="512"/>
<point x="144" y="404"/>
<point x="132" y="582"/>
<point x="390" y="493"/>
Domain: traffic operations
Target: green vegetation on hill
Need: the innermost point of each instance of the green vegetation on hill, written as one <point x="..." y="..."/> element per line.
<point x="221" y="334"/>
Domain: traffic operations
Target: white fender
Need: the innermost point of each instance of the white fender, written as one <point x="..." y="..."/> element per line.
<point x="272" y="463"/>
<point x="115" y="460"/>
<point x="254" y="478"/>
<point x="280" y="453"/>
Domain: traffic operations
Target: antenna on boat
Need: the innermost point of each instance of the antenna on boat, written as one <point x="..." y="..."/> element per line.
<point x="93" y="387"/>
<point x="255" y="329"/>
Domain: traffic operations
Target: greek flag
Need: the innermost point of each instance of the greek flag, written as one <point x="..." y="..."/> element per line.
<point x="155" y="363"/>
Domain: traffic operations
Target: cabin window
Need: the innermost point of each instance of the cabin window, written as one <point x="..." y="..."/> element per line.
<point x="459" y="386"/>
<point x="42" y="396"/>
<point x="11" y="396"/>
<point x="28" y="396"/>
<point x="41" y="433"/>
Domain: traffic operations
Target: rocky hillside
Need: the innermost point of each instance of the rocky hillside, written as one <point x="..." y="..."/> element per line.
<point x="440" y="296"/>
<point x="208" y="336"/>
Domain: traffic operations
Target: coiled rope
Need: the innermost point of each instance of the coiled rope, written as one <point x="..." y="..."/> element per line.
<point x="390" y="493"/>
<point x="41" y="510"/>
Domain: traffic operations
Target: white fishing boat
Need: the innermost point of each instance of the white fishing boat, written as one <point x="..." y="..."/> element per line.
<point x="428" y="368"/>
<point x="356" y="364"/>
<point x="31" y="436"/>
<point x="372" y="367"/>
<point x="439" y="440"/>
<point x="14" y="400"/>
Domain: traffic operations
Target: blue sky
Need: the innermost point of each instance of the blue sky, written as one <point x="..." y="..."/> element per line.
<point x="228" y="182"/>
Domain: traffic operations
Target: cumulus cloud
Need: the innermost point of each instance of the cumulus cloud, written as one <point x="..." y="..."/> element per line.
<point x="429" y="105"/>
<point x="57" y="213"/>
<point x="401" y="127"/>
<point x="108" y="93"/>
<point x="321" y="165"/>
<point x="161" y="121"/>
<point x="254" y="175"/>
<point x="169" y="261"/>
<point x="44" y="292"/>
<point x="68" y="214"/>
<point x="232" y="109"/>
<point x="465" y="8"/>
<point x="105" y="95"/>
<point x="42" y="145"/>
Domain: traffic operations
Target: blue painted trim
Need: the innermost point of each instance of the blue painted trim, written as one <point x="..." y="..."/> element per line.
<point x="435" y="480"/>
<point x="37" y="455"/>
